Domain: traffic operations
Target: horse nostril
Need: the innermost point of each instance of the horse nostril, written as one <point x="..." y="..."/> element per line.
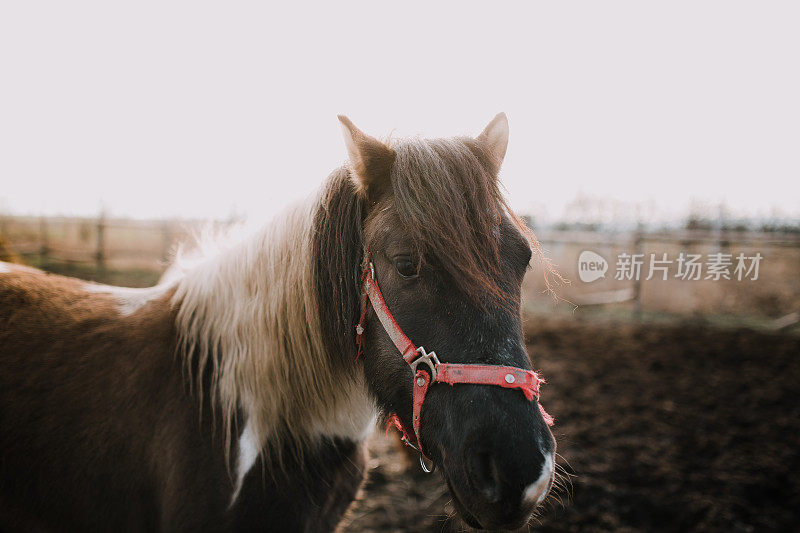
<point x="485" y="476"/>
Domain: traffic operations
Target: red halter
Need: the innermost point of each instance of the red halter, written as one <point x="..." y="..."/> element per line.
<point x="509" y="377"/>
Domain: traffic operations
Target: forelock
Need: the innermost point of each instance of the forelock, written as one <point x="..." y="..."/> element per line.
<point x="446" y="196"/>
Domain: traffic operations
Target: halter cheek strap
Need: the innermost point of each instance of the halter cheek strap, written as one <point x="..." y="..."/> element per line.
<point x="509" y="377"/>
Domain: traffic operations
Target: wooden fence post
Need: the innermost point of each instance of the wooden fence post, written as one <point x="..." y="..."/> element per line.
<point x="100" y="252"/>
<point x="166" y="243"/>
<point x="637" y="280"/>
<point x="44" y="241"/>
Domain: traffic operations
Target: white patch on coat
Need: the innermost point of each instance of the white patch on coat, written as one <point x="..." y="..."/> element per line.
<point x="129" y="300"/>
<point x="536" y="491"/>
<point x="4" y="268"/>
<point x="249" y="448"/>
<point x="355" y="420"/>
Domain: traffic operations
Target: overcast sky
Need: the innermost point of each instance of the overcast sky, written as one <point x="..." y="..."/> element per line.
<point x="200" y="109"/>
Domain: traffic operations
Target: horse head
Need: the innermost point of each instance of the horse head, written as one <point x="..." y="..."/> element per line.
<point x="449" y="257"/>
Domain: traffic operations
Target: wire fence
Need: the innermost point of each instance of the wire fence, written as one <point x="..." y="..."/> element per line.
<point x="772" y="293"/>
<point x="100" y="242"/>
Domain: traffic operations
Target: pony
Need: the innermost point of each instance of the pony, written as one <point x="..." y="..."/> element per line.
<point x="239" y="392"/>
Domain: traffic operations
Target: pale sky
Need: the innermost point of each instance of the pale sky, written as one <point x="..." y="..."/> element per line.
<point x="198" y="109"/>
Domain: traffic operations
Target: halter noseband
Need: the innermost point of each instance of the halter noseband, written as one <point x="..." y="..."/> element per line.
<point x="509" y="377"/>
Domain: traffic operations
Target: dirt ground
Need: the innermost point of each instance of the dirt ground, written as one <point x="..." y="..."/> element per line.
<point x="659" y="428"/>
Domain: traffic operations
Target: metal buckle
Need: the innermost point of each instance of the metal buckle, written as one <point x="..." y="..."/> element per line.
<point x="429" y="359"/>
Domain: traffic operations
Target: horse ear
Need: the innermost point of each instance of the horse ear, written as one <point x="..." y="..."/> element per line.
<point x="495" y="138"/>
<point x="370" y="160"/>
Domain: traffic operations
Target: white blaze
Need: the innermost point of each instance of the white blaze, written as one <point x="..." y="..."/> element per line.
<point x="536" y="491"/>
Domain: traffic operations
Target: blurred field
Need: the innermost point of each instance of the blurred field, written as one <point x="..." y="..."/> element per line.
<point x="106" y="249"/>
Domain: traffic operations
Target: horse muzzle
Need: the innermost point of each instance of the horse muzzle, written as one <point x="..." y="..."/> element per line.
<point x="495" y="451"/>
<point x="490" y="494"/>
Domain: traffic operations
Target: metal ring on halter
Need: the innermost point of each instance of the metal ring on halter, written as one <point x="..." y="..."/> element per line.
<point x="424" y="466"/>
<point x="429" y="359"/>
<point x="412" y="446"/>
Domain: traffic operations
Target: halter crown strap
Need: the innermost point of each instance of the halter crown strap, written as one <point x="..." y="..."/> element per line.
<point x="509" y="377"/>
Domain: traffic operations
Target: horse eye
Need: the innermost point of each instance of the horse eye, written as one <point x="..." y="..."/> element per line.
<point x="405" y="267"/>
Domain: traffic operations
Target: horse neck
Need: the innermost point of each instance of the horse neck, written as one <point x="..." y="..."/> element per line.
<point x="249" y="314"/>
